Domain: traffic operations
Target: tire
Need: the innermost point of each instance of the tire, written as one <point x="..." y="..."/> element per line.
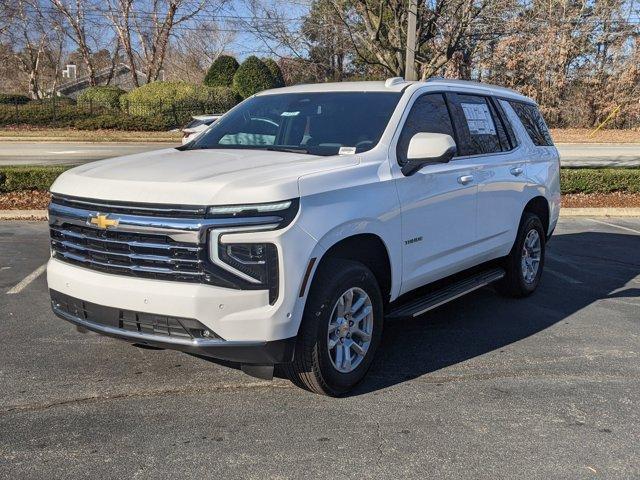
<point x="317" y="368"/>
<point x="515" y="283"/>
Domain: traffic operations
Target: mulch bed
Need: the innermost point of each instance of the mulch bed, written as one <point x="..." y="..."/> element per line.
<point x="595" y="200"/>
<point x="36" y="200"/>
<point x="25" y="200"/>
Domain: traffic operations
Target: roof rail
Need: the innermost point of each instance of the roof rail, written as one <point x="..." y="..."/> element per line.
<point x="390" y="82"/>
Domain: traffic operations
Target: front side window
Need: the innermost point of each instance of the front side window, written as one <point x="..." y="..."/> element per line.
<point x="429" y="114"/>
<point x="533" y="123"/>
<point x="323" y="123"/>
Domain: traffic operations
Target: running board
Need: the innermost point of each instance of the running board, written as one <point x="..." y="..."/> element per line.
<point x="450" y="292"/>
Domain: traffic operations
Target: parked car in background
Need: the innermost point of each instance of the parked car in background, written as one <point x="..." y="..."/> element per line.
<point x="196" y="126"/>
<point x="292" y="228"/>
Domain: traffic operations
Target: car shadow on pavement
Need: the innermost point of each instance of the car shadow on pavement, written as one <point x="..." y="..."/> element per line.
<point x="587" y="267"/>
<point x="592" y="266"/>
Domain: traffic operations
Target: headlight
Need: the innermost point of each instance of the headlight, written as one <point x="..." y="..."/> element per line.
<point x="282" y="212"/>
<point x="257" y="262"/>
<point x="250" y="265"/>
<point x="248" y="209"/>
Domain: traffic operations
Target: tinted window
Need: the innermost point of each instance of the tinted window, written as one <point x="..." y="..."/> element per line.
<point x="478" y="130"/>
<point x="429" y="114"/>
<point x="316" y="123"/>
<point x="511" y="137"/>
<point x="533" y="123"/>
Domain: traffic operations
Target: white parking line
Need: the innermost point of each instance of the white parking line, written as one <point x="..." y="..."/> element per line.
<point x="24" y="283"/>
<point x="614" y="225"/>
<point x="561" y="275"/>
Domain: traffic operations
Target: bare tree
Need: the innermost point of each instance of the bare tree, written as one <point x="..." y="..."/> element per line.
<point x="74" y="14"/>
<point x="26" y="34"/>
<point x="145" y="28"/>
<point x="191" y="54"/>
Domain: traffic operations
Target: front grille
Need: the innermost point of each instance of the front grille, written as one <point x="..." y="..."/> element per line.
<point x="174" y="248"/>
<point x="135" y="254"/>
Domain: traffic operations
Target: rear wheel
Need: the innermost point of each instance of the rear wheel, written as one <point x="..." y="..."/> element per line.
<point x="340" y="331"/>
<point x="525" y="262"/>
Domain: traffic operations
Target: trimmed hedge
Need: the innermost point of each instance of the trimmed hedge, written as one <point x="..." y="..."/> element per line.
<point x="28" y="177"/>
<point x="221" y="72"/>
<point x="42" y="114"/>
<point x="600" y="180"/>
<point x="122" y="121"/>
<point x="573" y="180"/>
<point x="13" y="98"/>
<point x="252" y="77"/>
<point x="105" y="96"/>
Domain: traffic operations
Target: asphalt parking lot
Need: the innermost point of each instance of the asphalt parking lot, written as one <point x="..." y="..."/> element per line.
<point x="484" y="387"/>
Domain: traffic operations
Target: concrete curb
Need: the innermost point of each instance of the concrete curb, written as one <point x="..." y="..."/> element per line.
<point x="600" y="212"/>
<point x="23" y="214"/>
<point x="564" y="212"/>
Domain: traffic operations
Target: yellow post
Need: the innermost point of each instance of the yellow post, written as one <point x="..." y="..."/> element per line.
<point x="611" y="115"/>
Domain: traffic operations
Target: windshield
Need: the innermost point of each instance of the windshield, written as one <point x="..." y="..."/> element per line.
<point x="317" y="123"/>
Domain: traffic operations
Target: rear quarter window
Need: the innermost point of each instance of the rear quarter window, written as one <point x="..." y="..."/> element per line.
<point x="533" y="123"/>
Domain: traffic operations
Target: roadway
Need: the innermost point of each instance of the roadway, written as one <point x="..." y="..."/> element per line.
<point x="70" y="153"/>
<point x="484" y="387"/>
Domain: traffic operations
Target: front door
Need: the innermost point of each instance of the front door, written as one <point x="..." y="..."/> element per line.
<point x="438" y="202"/>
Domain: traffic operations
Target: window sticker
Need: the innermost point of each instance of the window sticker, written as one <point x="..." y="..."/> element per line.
<point x="289" y="114"/>
<point x="347" y="150"/>
<point x="478" y="118"/>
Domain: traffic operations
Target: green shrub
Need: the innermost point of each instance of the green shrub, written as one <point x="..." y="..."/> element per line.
<point x="176" y="102"/>
<point x="28" y="178"/>
<point x="221" y="72"/>
<point x="42" y="114"/>
<point x="276" y="73"/>
<point x="600" y="180"/>
<point x="13" y="98"/>
<point x="105" y="96"/>
<point x="252" y="77"/>
<point x="122" y="121"/>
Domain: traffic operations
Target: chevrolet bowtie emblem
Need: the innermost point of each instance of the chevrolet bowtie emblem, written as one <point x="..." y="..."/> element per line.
<point x="101" y="221"/>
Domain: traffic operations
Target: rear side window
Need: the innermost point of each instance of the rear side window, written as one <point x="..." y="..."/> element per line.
<point x="429" y="114"/>
<point x="533" y="123"/>
<point x="480" y="131"/>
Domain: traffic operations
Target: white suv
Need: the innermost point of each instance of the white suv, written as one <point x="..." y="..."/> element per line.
<point x="301" y="219"/>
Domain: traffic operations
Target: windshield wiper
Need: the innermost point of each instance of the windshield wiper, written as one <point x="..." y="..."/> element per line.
<point x="287" y="149"/>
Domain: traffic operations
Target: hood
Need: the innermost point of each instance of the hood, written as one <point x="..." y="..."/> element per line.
<point x="196" y="177"/>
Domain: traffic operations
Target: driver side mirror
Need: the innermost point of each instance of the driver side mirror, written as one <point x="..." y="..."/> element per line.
<point x="427" y="148"/>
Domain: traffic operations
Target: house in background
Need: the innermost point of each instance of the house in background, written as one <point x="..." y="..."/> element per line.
<point x="120" y="76"/>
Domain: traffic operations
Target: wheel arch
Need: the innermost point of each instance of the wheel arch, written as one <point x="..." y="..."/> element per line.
<point x="540" y="206"/>
<point x="368" y="248"/>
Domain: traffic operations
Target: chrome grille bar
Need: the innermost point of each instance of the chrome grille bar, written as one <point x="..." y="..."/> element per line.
<point x="133" y="244"/>
<point x="132" y="256"/>
<point x="133" y="268"/>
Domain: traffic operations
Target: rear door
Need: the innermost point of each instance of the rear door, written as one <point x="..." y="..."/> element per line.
<point x="438" y="202"/>
<point x="500" y="174"/>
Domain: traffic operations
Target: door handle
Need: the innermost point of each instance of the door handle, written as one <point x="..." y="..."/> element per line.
<point x="464" y="179"/>
<point x="516" y="171"/>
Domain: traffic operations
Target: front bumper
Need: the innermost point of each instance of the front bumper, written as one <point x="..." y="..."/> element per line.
<point x="109" y="321"/>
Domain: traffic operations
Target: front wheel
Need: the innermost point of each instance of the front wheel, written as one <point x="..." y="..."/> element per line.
<point x="525" y="262"/>
<point x="340" y="331"/>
